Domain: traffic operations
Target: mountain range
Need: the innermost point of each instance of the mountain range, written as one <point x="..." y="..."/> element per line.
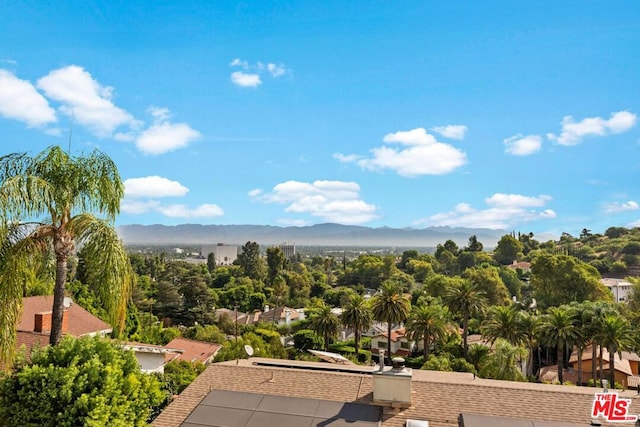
<point x="315" y="235"/>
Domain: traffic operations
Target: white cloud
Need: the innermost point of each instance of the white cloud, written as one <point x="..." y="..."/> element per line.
<point x="501" y="200"/>
<point x="162" y="136"/>
<point x="183" y="211"/>
<point x="236" y="62"/>
<point x="276" y="70"/>
<point x="420" y="154"/>
<point x="503" y="211"/>
<point x="332" y="201"/>
<point x="165" y="137"/>
<point x="451" y="131"/>
<point x="255" y="192"/>
<point x="140" y="195"/>
<point x="634" y="224"/>
<point x="616" y="207"/>
<point x="573" y="132"/>
<point x="346" y="158"/>
<point x="243" y="79"/>
<point x="19" y="100"/>
<point x="153" y="187"/>
<point x="251" y="74"/>
<point x="520" y="145"/>
<point x="86" y="100"/>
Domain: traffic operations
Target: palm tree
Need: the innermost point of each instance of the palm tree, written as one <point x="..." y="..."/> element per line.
<point x="503" y="322"/>
<point x="615" y="335"/>
<point x="465" y="299"/>
<point x="502" y="362"/>
<point x="426" y="322"/>
<point x="557" y="329"/>
<point x="390" y="305"/>
<point x="50" y="203"/>
<point x="357" y="315"/>
<point x="593" y="315"/>
<point x="325" y="323"/>
<point x="529" y="325"/>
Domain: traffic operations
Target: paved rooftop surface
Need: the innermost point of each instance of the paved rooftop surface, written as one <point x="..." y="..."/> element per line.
<point x="439" y="397"/>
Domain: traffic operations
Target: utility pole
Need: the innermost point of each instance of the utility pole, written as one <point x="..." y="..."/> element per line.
<point x="235" y="307"/>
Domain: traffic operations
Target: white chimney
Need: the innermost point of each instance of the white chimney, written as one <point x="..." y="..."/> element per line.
<point x="392" y="385"/>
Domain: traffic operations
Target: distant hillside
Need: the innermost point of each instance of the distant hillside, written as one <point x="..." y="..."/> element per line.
<point x="315" y="235"/>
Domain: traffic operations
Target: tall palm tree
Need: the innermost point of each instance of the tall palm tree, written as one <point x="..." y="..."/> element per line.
<point x="426" y="322"/>
<point x="593" y="314"/>
<point x="49" y="204"/>
<point x="325" y="323"/>
<point x="557" y="329"/>
<point x="529" y="325"/>
<point x="503" y="322"/>
<point x="357" y="315"/>
<point x="390" y="305"/>
<point x="615" y="335"/>
<point x="465" y="299"/>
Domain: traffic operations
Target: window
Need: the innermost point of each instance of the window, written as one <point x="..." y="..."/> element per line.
<point x="404" y="345"/>
<point x="382" y="344"/>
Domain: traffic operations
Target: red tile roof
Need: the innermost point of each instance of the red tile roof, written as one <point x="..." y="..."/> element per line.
<point x="80" y="321"/>
<point x="194" y="351"/>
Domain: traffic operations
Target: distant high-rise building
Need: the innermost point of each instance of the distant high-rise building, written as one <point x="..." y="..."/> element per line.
<point x="288" y="249"/>
<point x="222" y="254"/>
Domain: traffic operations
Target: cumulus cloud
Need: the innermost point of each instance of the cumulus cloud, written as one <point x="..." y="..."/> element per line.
<point x="141" y="194"/>
<point x="451" y="131"/>
<point x="86" y="100"/>
<point x="332" y="201"/>
<point x="243" y="79"/>
<point x="616" y="207"/>
<point x="520" y="145"/>
<point x="573" y="132"/>
<point x="251" y="74"/>
<point x="502" y="211"/>
<point x="163" y="136"/>
<point x="153" y="187"/>
<point x="19" y="100"/>
<point x="415" y="153"/>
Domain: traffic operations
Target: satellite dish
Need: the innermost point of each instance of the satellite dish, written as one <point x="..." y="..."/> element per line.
<point x="249" y="350"/>
<point x="67" y="302"/>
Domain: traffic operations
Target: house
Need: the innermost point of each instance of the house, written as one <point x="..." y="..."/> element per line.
<point x="624" y="367"/>
<point x="34" y="326"/>
<point x="401" y="345"/>
<point x="194" y="350"/>
<point x="620" y="288"/>
<point x="281" y="315"/>
<point x="267" y="392"/>
<point x="522" y="265"/>
<point x="151" y="358"/>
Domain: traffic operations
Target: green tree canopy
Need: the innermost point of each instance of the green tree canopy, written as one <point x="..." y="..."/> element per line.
<point x="509" y="249"/>
<point x="80" y="382"/>
<point x="561" y="279"/>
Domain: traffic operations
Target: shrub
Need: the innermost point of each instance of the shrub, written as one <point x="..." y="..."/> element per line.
<point x="80" y="382"/>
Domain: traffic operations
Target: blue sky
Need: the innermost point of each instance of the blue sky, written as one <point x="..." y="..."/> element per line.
<point x="499" y="114"/>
